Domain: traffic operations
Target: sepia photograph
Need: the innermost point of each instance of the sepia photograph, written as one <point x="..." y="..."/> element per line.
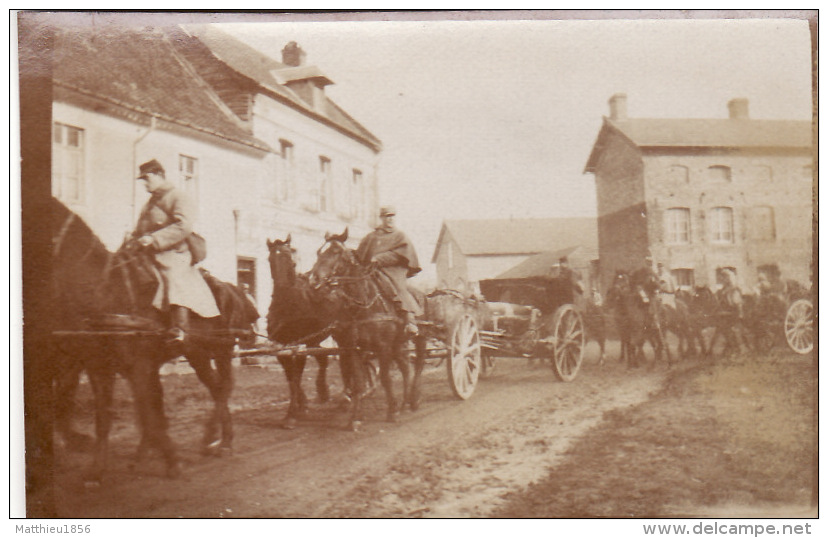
<point x="504" y="265"/>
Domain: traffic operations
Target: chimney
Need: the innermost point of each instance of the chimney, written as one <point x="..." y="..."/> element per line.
<point x="293" y="55"/>
<point x="618" y="107"/>
<point x="738" y="108"/>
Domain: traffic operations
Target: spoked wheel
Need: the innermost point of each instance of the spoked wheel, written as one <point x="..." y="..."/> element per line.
<point x="569" y="340"/>
<point x="464" y="362"/>
<point x="799" y="326"/>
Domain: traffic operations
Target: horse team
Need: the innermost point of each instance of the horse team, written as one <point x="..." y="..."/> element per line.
<point x="636" y="304"/>
<point x="107" y="326"/>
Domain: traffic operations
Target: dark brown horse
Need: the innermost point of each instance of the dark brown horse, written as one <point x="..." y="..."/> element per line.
<point x="631" y="300"/>
<point x="371" y="326"/>
<point x="296" y="316"/>
<point x="105" y="325"/>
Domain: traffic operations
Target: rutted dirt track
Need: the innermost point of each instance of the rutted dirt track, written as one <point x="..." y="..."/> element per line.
<point x="448" y="459"/>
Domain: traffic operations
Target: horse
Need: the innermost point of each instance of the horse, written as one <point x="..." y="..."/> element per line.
<point x="295" y="316"/>
<point x="692" y="314"/>
<point x="371" y="326"/>
<point x="105" y="325"/>
<point x="646" y="286"/>
<point x="630" y="300"/>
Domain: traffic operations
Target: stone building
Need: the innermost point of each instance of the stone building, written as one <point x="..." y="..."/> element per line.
<point x="699" y="194"/>
<point x="255" y="141"/>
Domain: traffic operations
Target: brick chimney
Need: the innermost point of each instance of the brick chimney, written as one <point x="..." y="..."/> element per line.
<point x="738" y="108"/>
<point x="618" y="107"/>
<point x="293" y="55"/>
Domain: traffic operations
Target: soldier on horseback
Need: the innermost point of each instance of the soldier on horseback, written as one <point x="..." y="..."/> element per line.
<point x="165" y="223"/>
<point x="667" y="285"/>
<point x="390" y="251"/>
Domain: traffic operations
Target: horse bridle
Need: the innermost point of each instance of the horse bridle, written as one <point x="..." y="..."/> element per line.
<point x="334" y="280"/>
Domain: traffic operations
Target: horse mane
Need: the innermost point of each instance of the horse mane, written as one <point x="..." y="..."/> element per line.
<point x="295" y="311"/>
<point x="359" y="302"/>
<point x="80" y="265"/>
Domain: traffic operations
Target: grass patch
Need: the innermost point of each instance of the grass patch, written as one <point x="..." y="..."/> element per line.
<point x="716" y="435"/>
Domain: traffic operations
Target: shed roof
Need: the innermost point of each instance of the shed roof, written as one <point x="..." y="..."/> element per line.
<point x="498" y="237"/>
<point x="705" y="133"/>
<point x="543" y="264"/>
<point x="140" y="70"/>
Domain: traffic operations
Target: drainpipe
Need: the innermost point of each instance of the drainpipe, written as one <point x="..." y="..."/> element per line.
<point x="138" y="140"/>
<point x="236" y="218"/>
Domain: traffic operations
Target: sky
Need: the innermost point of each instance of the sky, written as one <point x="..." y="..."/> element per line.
<point x="496" y="119"/>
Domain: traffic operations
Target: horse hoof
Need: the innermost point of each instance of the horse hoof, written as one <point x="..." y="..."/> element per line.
<point x="355" y="426"/>
<point x="92" y="479"/>
<point x="174" y="471"/>
<point x="211" y="448"/>
<point x="392" y="417"/>
<point x="289" y="424"/>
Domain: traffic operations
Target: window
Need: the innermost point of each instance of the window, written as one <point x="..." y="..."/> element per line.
<point x="685" y="279"/>
<point x="357" y="195"/>
<point x="324" y="184"/>
<point x="188" y="177"/>
<point x="761" y="225"/>
<point x="286" y="148"/>
<point x="719" y="173"/>
<point x="721" y="224"/>
<point x="677" y="226"/>
<point x="68" y="163"/>
<point x="284" y="179"/>
<point x="679" y="173"/>
<point x="246" y="274"/>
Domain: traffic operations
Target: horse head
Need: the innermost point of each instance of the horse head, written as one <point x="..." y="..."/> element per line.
<point x="333" y="259"/>
<point x="282" y="262"/>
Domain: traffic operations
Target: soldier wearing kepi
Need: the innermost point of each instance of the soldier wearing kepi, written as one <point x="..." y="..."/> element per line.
<point x="393" y="253"/>
<point x="163" y="227"/>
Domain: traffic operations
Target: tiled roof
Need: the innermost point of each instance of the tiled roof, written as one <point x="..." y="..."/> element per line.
<point x="264" y="70"/>
<point x="745" y="133"/>
<point x="706" y="133"/>
<point x="519" y="236"/>
<point x="140" y="71"/>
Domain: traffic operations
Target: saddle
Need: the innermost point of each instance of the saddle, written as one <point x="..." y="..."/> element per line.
<point x="123" y="322"/>
<point x="237" y="311"/>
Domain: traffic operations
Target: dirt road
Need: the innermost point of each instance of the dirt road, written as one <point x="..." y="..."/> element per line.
<point x="449" y="459"/>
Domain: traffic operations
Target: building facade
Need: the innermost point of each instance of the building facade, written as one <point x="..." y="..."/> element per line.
<point x="698" y="195"/>
<point x="263" y="157"/>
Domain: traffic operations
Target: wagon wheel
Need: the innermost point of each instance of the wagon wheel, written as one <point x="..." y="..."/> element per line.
<point x="569" y="342"/>
<point x="464" y="363"/>
<point x="799" y="326"/>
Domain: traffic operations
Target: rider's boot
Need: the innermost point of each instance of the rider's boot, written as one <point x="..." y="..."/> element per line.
<point x="180" y="323"/>
<point x="411" y="324"/>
